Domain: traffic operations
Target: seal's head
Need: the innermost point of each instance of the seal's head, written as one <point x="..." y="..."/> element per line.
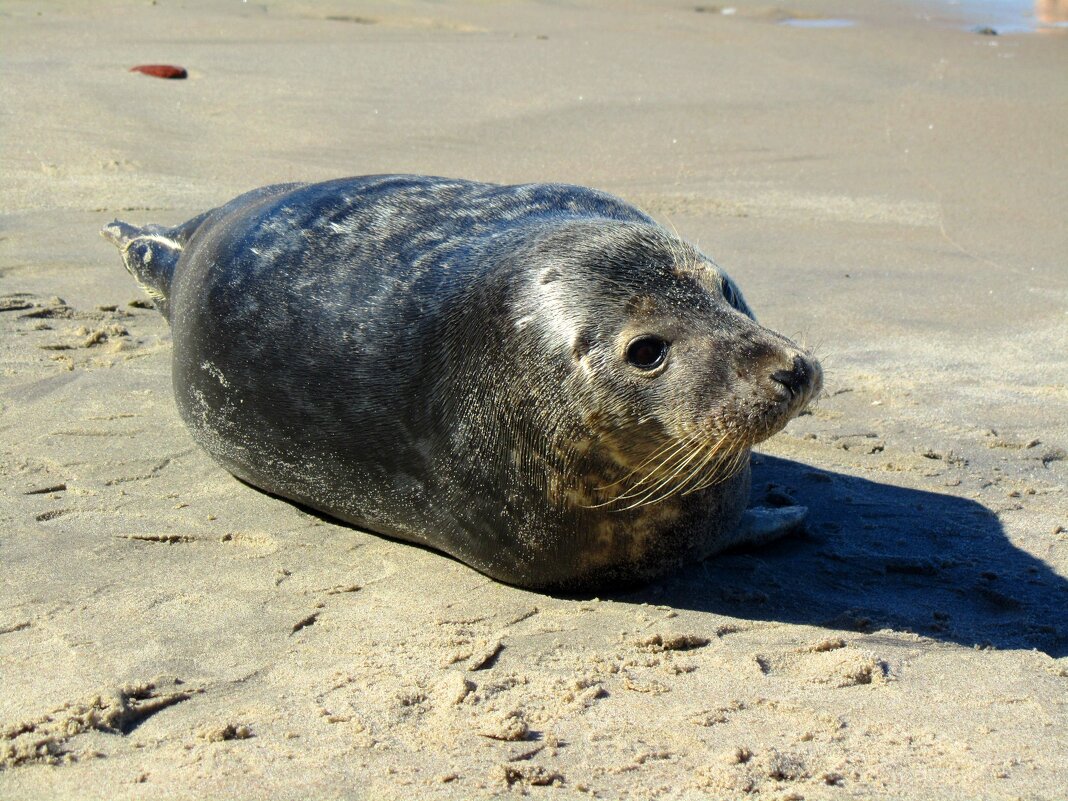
<point x="608" y="381"/>
<point x="677" y="379"/>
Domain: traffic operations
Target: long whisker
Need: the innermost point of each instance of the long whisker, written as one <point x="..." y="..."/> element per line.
<point x="698" y="476"/>
<point x="668" y="464"/>
<point x="650" y="498"/>
<point x="681" y="467"/>
<point x="726" y="469"/>
<point x="664" y="472"/>
<point x="695" y="472"/>
<point x="672" y="475"/>
<point x="680" y="448"/>
<point x="720" y="471"/>
<point x="671" y="445"/>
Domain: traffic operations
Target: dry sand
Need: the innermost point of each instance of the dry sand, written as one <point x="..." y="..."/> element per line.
<point x="895" y="192"/>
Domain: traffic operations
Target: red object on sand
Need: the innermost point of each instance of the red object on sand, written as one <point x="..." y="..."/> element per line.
<point x="161" y="70"/>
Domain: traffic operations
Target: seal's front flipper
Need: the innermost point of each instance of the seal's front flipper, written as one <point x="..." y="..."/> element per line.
<point x="150" y="255"/>
<point x="763" y="524"/>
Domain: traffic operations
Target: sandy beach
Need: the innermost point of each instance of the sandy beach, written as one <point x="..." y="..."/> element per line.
<point x="891" y="190"/>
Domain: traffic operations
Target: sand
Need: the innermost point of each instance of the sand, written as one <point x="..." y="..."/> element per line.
<point x="893" y="192"/>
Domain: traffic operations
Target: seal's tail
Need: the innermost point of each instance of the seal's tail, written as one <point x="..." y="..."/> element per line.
<point x="151" y="253"/>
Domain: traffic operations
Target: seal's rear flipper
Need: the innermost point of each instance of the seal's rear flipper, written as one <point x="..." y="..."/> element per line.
<point x="150" y="254"/>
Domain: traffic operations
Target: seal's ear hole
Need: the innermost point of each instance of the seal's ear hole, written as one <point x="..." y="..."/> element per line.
<point x="641" y="305"/>
<point x="647" y="352"/>
<point x="548" y="275"/>
<point x="581" y="345"/>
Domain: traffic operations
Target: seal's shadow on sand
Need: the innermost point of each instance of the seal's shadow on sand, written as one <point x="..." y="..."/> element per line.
<point x="878" y="556"/>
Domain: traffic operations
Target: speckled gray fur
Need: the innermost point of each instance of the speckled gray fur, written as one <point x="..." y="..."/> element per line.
<point x="441" y="361"/>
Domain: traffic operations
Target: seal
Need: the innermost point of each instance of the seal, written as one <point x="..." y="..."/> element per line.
<point x="537" y="379"/>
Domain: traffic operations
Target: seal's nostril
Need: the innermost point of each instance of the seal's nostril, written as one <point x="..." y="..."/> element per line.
<point x="796" y="378"/>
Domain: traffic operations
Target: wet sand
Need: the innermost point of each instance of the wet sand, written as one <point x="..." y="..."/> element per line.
<point x="892" y="192"/>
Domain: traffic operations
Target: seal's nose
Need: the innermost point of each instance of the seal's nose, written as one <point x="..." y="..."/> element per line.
<point x="797" y="379"/>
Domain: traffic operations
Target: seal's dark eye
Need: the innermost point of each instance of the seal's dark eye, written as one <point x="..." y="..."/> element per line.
<point x="647" y="352"/>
